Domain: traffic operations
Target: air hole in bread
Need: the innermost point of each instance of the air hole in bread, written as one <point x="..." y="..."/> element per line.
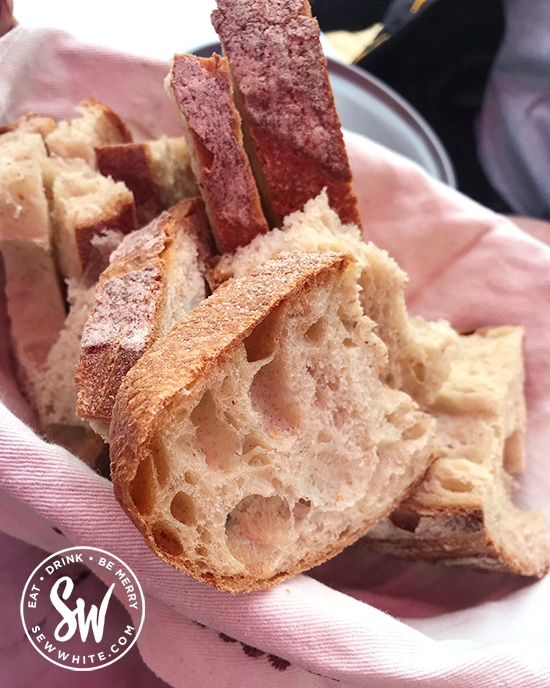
<point x="333" y="385"/>
<point x="405" y="519"/>
<point x="271" y="399"/>
<point x="349" y="342"/>
<point x="166" y="540"/>
<point x="205" y="537"/>
<point x="348" y="322"/>
<point x="325" y="387"/>
<point x="301" y="509"/>
<point x="182" y="508"/>
<point x="257" y="528"/>
<point x="395" y="417"/>
<point x="389" y="379"/>
<point x="141" y="487"/>
<point x="316" y="332"/>
<point x="260" y="343"/>
<point x="218" y="440"/>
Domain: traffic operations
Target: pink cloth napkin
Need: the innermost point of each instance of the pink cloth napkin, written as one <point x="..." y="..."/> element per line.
<point x="360" y="619"/>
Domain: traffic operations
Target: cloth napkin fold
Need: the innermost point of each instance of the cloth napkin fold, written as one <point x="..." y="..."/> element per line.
<point x="360" y="619"/>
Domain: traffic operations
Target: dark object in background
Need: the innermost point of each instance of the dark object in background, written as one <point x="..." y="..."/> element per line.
<point x="348" y="15"/>
<point x="438" y="58"/>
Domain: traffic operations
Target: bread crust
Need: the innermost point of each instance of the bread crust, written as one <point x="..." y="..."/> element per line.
<point x="201" y="90"/>
<point x="130" y="163"/>
<point x="292" y="130"/>
<point x="130" y="303"/>
<point x="96" y="124"/>
<point x="462" y="537"/>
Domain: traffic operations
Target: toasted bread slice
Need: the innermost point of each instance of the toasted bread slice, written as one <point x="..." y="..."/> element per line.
<point x="419" y="352"/>
<point x="155" y="276"/>
<point x="462" y="513"/>
<point x="157" y="172"/>
<point x="281" y="85"/>
<point x="256" y="439"/>
<point x="201" y="90"/>
<point x="96" y="124"/>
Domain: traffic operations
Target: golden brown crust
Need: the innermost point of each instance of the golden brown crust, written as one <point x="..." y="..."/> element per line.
<point x="201" y="90"/>
<point x="122" y="220"/>
<point x="129" y="163"/>
<point x="118" y="130"/>
<point x="96" y="124"/>
<point x="293" y="132"/>
<point x="129" y="300"/>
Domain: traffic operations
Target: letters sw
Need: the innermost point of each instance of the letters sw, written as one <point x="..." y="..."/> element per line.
<point x="75" y="618"/>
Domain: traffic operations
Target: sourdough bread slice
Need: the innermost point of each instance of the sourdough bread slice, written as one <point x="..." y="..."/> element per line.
<point x="463" y="513"/>
<point x="201" y="90"/>
<point x="36" y="310"/>
<point x="256" y="439"/>
<point x="45" y="340"/>
<point x="154" y="277"/>
<point x="419" y="352"/>
<point x="33" y="289"/>
<point x="282" y="90"/>
<point x="23" y="203"/>
<point x="56" y="393"/>
<point x="95" y="124"/>
<point x="85" y="205"/>
<point x="157" y="172"/>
